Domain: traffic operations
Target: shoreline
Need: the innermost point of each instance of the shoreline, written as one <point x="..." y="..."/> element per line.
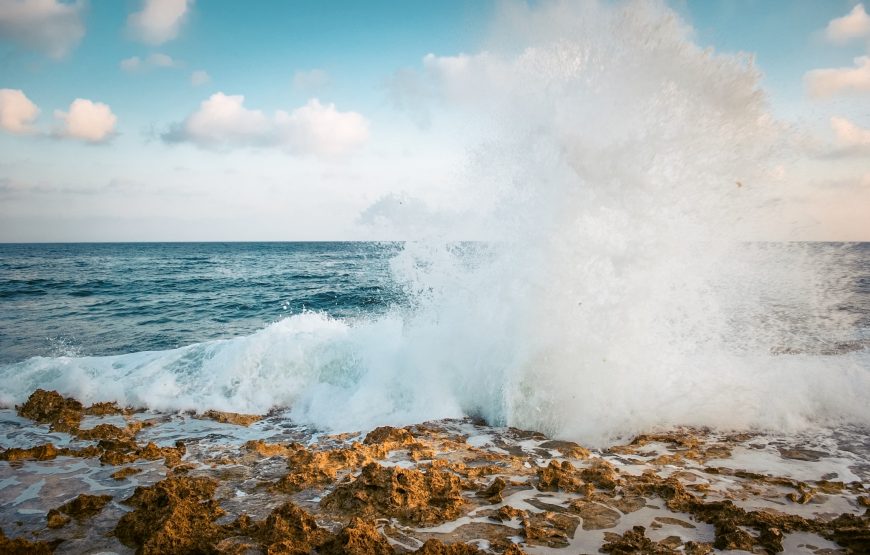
<point x="103" y="478"/>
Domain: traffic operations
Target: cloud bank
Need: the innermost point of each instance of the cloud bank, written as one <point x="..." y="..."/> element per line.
<point x="48" y="26"/>
<point x="850" y="137"/>
<point x="158" y="21"/>
<point x="824" y="83"/>
<point x="855" y="24"/>
<point x="88" y="121"/>
<point x="319" y="129"/>
<point x="17" y="112"/>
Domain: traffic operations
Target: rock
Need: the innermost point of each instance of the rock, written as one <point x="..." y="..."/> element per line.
<point x="56" y="519"/>
<point x="559" y="476"/>
<point x="175" y="515"/>
<point x="851" y="532"/>
<point x="436" y="547"/>
<point x="358" y="538"/>
<point x="40" y="453"/>
<point x="82" y="507"/>
<point x="106" y="409"/>
<point x="601" y="473"/>
<point x="289" y="529"/>
<point x="492" y="493"/>
<point x="309" y="468"/>
<point x="634" y="541"/>
<point x="47" y="452"/>
<point x="407" y="494"/>
<point x="387" y="435"/>
<point x="595" y="516"/>
<point x="549" y="528"/>
<point x="267" y="449"/>
<point x="125" y="472"/>
<point x="21" y="546"/>
<point x="232" y="417"/>
<point x="50" y="407"/>
<point x="567" y="448"/>
<point x="106" y="431"/>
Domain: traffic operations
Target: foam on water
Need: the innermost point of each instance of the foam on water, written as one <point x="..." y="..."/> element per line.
<point x="627" y="168"/>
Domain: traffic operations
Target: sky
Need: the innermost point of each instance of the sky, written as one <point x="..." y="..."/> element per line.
<point x="219" y="120"/>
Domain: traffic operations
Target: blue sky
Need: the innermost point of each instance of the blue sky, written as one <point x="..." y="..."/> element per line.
<point x="157" y="172"/>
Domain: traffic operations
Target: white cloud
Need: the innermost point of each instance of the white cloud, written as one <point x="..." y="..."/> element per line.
<point x="310" y="80"/>
<point x="48" y="26"/>
<point x="855" y="24"/>
<point x="17" y="112"/>
<point x="159" y="21"/>
<point x="153" y="61"/>
<point x="88" y="121"/>
<point x="199" y="77"/>
<point x="849" y="136"/>
<point x="319" y="129"/>
<point x="823" y="83"/>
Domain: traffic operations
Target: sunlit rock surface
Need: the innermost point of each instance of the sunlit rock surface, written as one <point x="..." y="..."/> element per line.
<point x="77" y="479"/>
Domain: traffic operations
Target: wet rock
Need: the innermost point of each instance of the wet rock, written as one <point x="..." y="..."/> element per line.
<point x="549" y="528"/>
<point x="358" y="538"/>
<point x="387" y="435"/>
<point x="289" y="529"/>
<point x="107" y="431"/>
<point x="40" y="453"/>
<point x="232" y="417"/>
<point x="309" y="468"/>
<point x="567" y="448"/>
<point x="634" y="541"/>
<point x="697" y="548"/>
<point x="508" y="513"/>
<point x="559" y="476"/>
<point x="21" y="546"/>
<point x="50" y="407"/>
<point x="801" y="454"/>
<point x="602" y="474"/>
<point x="595" y="516"/>
<point x="118" y="452"/>
<point x="407" y="494"/>
<point x="730" y="536"/>
<point x="175" y="515"/>
<point x="851" y="532"/>
<point x="436" y="547"/>
<point x="267" y="449"/>
<point x="106" y="409"/>
<point x="47" y="452"/>
<point x="82" y="507"/>
<point x="492" y="493"/>
<point x="125" y="472"/>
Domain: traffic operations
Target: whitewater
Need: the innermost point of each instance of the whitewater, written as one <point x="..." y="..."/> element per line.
<point x="625" y="198"/>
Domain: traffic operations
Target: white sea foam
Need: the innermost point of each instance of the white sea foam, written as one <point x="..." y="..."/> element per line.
<point x="627" y="169"/>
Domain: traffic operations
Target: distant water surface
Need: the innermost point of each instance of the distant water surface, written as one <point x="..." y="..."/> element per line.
<point x="114" y="298"/>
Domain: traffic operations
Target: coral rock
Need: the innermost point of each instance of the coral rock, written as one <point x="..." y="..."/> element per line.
<point x="358" y="538"/>
<point x="82" y="507"/>
<point x="407" y="494"/>
<point x="175" y="515"/>
<point x="50" y="407"/>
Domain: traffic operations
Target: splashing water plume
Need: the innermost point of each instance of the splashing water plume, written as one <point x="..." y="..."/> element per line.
<point x="628" y="171"/>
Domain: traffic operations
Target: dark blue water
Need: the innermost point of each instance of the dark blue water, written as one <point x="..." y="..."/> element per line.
<point x="102" y="299"/>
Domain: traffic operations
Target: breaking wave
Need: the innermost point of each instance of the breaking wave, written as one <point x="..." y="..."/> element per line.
<point x="627" y="177"/>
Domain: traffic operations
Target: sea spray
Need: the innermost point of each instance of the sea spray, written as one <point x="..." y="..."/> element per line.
<point x="627" y="178"/>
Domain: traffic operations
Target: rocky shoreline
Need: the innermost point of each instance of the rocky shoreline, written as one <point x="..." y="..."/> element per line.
<point x="109" y="479"/>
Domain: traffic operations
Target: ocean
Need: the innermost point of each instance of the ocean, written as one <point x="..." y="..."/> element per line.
<point x="115" y="298"/>
<point x="250" y="327"/>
